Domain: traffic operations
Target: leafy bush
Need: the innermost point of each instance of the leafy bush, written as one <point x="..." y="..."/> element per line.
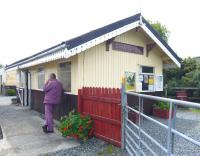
<point x="161" y="105"/>
<point x="11" y="92"/>
<point x="186" y="76"/>
<point x="76" y="125"/>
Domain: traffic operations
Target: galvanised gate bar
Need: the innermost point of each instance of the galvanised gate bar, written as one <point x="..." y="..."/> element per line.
<point x="137" y="146"/>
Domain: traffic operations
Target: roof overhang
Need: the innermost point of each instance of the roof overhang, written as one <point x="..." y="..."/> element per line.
<point x="64" y="50"/>
<point x="158" y="42"/>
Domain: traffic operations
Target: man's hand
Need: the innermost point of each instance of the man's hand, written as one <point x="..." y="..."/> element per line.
<point x="47" y="82"/>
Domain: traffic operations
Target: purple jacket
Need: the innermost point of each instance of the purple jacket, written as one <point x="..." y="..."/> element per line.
<point x="53" y="92"/>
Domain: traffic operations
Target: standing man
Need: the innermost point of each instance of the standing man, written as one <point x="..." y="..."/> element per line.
<point x="53" y="93"/>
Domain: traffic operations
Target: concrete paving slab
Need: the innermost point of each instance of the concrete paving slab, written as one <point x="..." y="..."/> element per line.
<point x="23" y="135"/>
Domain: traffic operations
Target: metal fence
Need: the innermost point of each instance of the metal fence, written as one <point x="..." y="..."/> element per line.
<point x="133" y="143"/>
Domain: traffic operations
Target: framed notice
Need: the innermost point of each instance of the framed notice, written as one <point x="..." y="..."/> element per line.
<point x="130" y="81"/>
<point x="159" y="83"/>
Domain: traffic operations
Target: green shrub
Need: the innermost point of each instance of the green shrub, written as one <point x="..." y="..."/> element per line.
<point x="162" y="105"/>
<point x="11" y="92"/>
<point x="76" y="125"/>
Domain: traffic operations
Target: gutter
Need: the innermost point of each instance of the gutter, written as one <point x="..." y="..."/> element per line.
<point x="59" y="47"/>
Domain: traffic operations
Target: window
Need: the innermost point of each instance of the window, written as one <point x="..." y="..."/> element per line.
<point x="147" y="78"/>
<point x="41" y="78"/>
<point x="146" y="69"/>
<point x="64" y="75"/>
<point x="22" y="79"/>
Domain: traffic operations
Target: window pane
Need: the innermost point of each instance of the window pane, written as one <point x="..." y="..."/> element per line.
<point x="146" y="69"/>
<point x="64" y="75"/>
<point x="145" y="82"/>
<point x="41" y="78"/>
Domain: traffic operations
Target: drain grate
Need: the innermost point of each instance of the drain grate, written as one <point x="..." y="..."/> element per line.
<point x="1" y="133"/>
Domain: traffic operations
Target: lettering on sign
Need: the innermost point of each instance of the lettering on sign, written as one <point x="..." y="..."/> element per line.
<point x="127" y="48"/>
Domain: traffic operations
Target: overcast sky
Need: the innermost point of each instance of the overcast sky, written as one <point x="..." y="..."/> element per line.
<point x="30" y="26"/>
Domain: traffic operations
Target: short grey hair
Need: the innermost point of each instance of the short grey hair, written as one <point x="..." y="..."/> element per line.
<point x="53" y="76"/>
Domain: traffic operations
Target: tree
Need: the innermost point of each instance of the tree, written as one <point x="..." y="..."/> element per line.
<point x="188" y="65"/>
<point x="161" y="29"/>
<point x="186" y="76"/>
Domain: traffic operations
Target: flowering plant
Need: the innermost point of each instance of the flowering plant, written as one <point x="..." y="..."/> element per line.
<point x="76" y="125"/>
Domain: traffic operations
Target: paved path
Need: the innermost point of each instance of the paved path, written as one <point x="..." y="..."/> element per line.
<point x="23" y="135"/>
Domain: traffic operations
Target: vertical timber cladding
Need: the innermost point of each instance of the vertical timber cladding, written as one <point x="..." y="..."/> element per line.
<point x="104" y="106"/>
<point x="127" y="48"/>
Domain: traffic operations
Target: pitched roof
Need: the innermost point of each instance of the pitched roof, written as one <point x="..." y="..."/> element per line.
<point x="77" y="41"/>
<point x="101" y="31"/>
<point x="161" y="39"/>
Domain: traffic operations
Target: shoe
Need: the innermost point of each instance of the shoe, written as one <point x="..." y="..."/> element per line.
<point x="45" y="128"/>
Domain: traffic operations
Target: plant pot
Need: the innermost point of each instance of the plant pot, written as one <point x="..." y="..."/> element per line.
<point x="15" y="100"/>
<point x="161" y="113"/>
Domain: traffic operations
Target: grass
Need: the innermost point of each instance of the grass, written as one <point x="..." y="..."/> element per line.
<point x="190" y="110"/>
<point x="107" y="151"/>
<point x="195" y="110"/>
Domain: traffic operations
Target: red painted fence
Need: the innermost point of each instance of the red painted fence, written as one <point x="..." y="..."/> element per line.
<point x="104" y="106"/>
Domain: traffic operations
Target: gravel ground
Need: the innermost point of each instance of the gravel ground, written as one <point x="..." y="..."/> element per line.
<point x="187" y="123"/>
<point x="93" y="147"/>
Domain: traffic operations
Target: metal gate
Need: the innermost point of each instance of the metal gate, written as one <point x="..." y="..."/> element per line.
<point x="133" y="134"/>
<point x="20" y="94"/>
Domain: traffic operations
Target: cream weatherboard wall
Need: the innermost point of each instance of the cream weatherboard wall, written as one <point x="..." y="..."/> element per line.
<point x="101" y="68"/>
<point x="97" y="67"/>
<point x="11" y="78"/>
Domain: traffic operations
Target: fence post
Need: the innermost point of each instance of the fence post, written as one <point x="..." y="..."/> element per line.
<point x="80" y="101"/>
<point x="123" y="112"/>
<point x="139" y="123"/>
<point x="173" y="126"/>
<point x="169" y="136"/>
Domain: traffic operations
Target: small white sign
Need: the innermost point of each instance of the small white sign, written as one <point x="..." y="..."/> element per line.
<point x="140" y="78"/>
<point x="159" y="83"/>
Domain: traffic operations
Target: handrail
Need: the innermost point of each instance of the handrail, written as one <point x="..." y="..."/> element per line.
<point x="174" y="101"/>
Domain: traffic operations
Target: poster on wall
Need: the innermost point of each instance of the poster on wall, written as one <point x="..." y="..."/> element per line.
<point x="130" y="81"/>
<point x="151" y="80"/>
<point x="151" y="83"/>
<point x="151" y="88"/>
<point x="159" y="83"/>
